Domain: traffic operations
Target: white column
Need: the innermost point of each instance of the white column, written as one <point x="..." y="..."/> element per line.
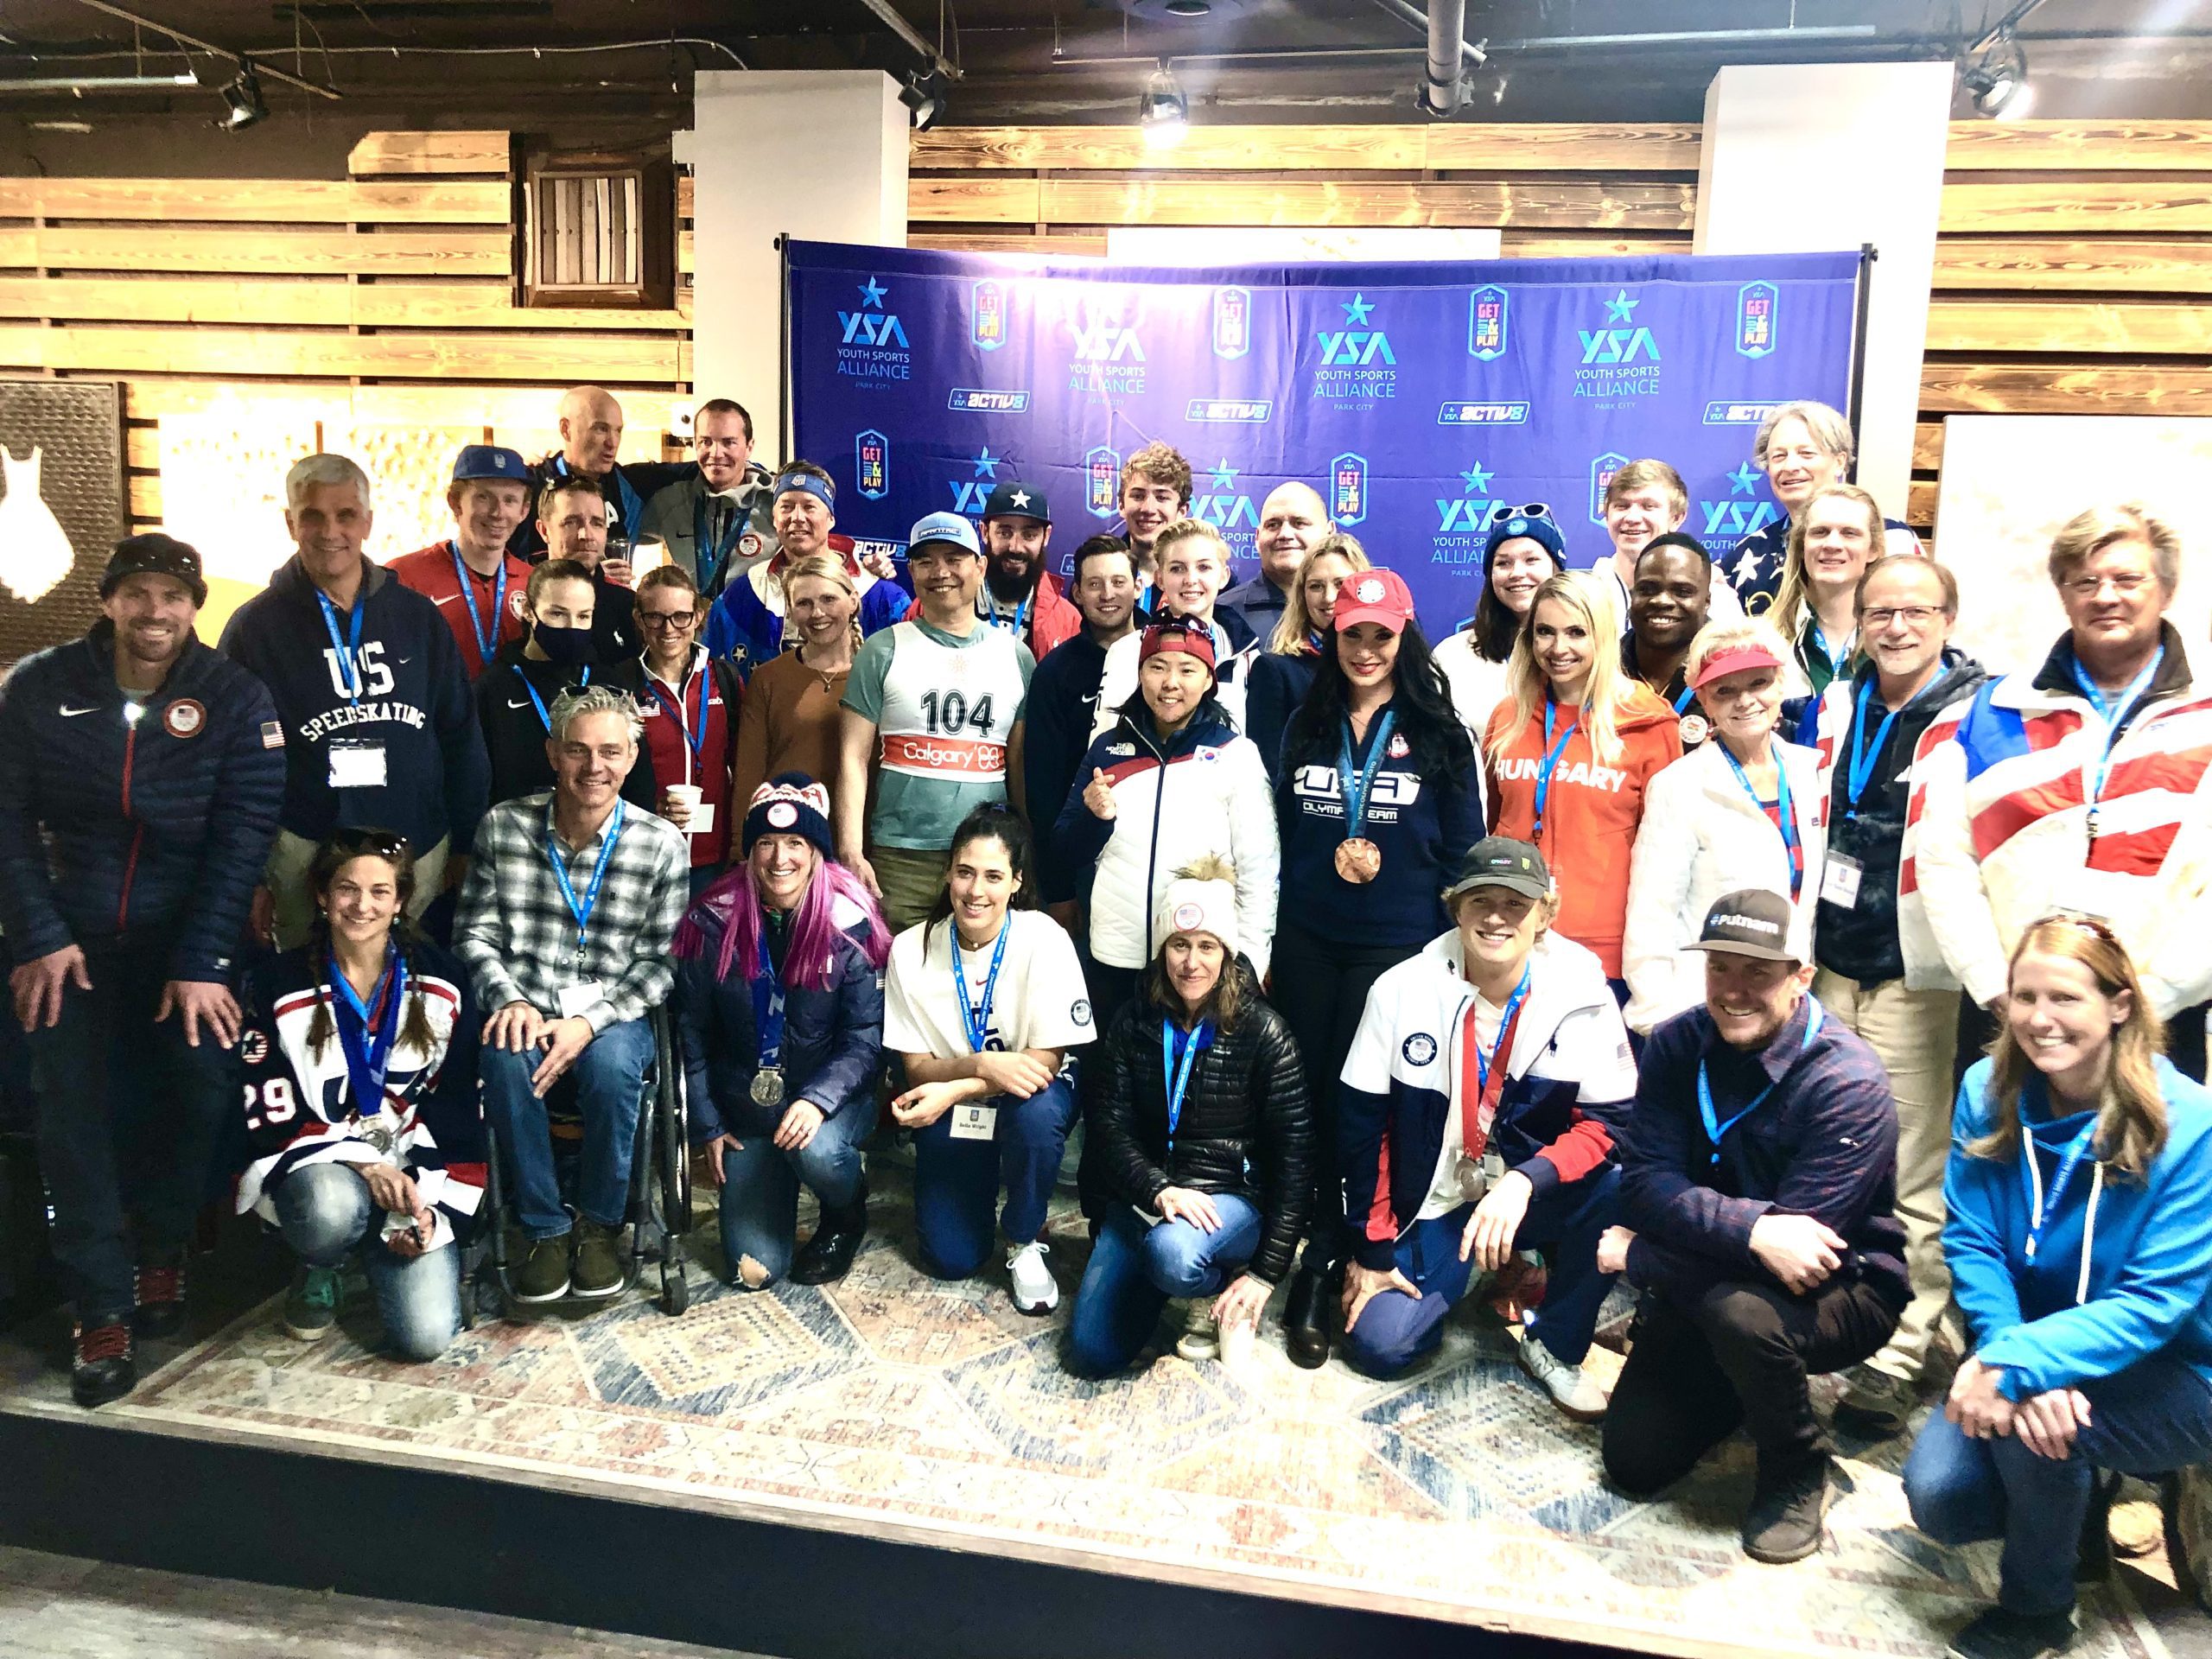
<point x="821" y="156"/>
<point x="1802" y="158"/>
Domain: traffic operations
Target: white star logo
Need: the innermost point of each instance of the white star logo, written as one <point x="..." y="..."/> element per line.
<point x="1019" y="498"/>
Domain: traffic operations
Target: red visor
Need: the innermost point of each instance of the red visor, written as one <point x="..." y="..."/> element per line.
<point x="1735" y="662"/>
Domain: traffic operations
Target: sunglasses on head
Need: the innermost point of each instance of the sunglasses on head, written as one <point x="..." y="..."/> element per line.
<point x="1501" y="512"/>
<point x="383" y="843"/>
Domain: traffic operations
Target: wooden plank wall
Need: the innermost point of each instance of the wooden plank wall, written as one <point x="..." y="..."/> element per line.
<point x="2072" y="263"/>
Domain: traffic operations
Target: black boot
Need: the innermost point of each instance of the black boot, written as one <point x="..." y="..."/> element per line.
<point x="1306" y="1319"/>
<point x="2093" y="1556"/>
<point x="828" y="1256"/>
<point x="104" y="1364"/>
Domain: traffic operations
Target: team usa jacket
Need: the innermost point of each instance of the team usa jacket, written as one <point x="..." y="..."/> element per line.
<point x="106" y="826"/>
<point x="747" y="623"/>
<point x="1056" y="731"/>
<point x="1570" y="1080"/>
<point x="1999" y="835"/>
<point x="414" y="701"/>
<point x="299" y="1103"/>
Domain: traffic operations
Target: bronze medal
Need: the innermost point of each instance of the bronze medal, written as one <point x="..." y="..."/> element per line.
<point x="1358" y="859"/>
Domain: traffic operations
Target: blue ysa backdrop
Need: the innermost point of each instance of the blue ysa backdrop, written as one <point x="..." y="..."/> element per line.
<point x="1416" y="398"/>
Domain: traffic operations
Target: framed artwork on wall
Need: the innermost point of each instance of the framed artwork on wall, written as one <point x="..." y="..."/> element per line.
<point x="61" y="507"/>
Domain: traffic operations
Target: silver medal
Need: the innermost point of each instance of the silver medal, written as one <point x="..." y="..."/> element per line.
<point x="1472" y="1180"/>
<point x="768" y="1086"/>
<point x="379" y="1134"/>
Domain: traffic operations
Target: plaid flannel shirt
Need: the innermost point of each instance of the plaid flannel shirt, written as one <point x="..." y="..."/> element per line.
<point x="518" y="937"/>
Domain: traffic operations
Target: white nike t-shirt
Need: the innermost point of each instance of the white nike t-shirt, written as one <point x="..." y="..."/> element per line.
<point x="1040" y="1001"/>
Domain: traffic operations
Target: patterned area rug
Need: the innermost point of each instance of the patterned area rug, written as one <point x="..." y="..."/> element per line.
<point x="903" y="1407"/>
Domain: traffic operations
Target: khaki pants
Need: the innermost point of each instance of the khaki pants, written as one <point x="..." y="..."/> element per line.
<point x="910" y="882"/>
<point x="1914" y="1033"/>
<point x="285" y="875"/>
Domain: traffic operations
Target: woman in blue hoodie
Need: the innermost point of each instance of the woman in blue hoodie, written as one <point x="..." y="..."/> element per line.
<point x="2082" y="1261"/>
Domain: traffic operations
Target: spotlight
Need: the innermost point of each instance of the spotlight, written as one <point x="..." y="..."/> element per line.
<point x="1163" y="114"/>
<point x="243" y="95"/>
<point x="924" y="97"/>
<point x="1997" y="81"/>
<point x="1497" y="88"/>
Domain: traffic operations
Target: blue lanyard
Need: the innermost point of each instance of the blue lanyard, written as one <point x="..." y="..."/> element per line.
<point x="1550" y="760"/>
<point x="632" y="509"/>
<point x="487" y="644"/>
<point x="695" y="735"/>
<point x="1863" y="759"/>
<point x="1021" y="610"/>
<point x="2111" y="713"/>
<point x="347" y="652"/>
<point x="581" y="909"/>
<point x="1713" y="1128"/>
<point x="703" y="544"/>
<point x="1682" y="702"/>
<point x="768" y="1005"/>
<point x="1179" y="1057"/>
<point x="368" y="1038"/>
<point x="1790" y="842"/>
<point x="544" y="718"/>
<point x="976" y="1016"/>
<point x="1821" y="643"/>
<point x="2040" y="1216"/>
<point x="1356" y="784"/>
<point x="1482" y="1063"/>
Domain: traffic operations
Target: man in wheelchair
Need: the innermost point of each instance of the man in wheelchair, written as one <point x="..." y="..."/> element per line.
<point x="566" y="917"/>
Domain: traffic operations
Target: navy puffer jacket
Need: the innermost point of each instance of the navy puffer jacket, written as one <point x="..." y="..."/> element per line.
<point x="106" y="826"/>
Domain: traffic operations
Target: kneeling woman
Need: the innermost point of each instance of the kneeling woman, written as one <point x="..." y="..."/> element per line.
<point x="361" y="1112"/>
<point x="981" y="1004"/>
<point x="780" y="1010"/>
<point x="2080" y="1245"/>
<point x="1482" y="1099"/>
<point x="1197" y="1098"/>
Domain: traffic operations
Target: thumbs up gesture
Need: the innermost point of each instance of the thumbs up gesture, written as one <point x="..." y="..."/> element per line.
<point x="1098" y="796"/>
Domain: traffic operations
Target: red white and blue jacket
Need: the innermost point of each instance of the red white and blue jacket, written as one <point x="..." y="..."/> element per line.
<point x="1570" y="1080"/>
<point x="1996" y="834"/>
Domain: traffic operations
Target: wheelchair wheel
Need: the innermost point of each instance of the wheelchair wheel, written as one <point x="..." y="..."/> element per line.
<point x="675" y="1288"/>
<point x="2185" y="1500"/>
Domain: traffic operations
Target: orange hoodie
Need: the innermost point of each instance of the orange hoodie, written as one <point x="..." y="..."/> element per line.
<point x="1591" y="812"/>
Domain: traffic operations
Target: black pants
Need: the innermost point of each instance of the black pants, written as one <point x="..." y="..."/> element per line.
<point x="1320" y="990"/>
<point x="1738" y="1354"/>
<point x="128" y="1117"/>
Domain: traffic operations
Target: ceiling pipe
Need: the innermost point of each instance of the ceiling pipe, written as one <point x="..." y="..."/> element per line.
<point x="209" y="46"/>
<point x="906" y="32"/>
<point x="97" y="84"/>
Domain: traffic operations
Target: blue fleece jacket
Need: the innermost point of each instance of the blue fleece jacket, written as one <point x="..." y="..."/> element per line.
<point x="2146" y="1244"/>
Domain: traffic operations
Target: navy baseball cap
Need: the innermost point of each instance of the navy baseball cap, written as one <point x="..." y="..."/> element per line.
<point x="951" y="527"/>
<point x="152" y="554"/>
<point x="1501" y="861"/>
<point x="1017" y="501"/>
<point x="489" y="461"/>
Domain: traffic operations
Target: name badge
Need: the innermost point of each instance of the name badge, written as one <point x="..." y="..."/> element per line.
<point x="975" y="1123"/>
<point x="574" y="1000"/>
<point x="356" y="763"/>
<point x="1839" y="878"/>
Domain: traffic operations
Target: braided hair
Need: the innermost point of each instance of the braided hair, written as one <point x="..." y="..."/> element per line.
<point x="340" y="848"/>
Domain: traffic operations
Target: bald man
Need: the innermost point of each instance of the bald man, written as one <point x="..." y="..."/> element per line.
<point x="1293" y="521"/>
<point x="590" y="424"/>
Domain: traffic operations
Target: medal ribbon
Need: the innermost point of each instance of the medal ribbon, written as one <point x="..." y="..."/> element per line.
<point x="1713" y="1128"/>
<point x="1482" y="1077"/>
<point x="1792" y="844"/>
<point x="1551" y="759"/>
<point x="582" y="908"/>
<point x="544" y="718"/>
<point x="487" y="645"/>
<point x="2113" y="713"/>
<point x="1356" y="784"/>
<point x="703" y="544"/>
<point x="367" y="1031"/>
<point x="976" y="1016"/>
<point x="1021" y="610"/>
<point x="1179" y="1058"/>
<point x="695" y="732"/>
<point x="1863" y="759"/>
<point x="768" y="1007"/>
<point x="2043" y="1207"/>
<point x="347" y="652"/>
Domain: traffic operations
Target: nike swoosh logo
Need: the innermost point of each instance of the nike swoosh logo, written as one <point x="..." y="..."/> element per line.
<point x="68" y="713"/>
<point x="512" y="704"/>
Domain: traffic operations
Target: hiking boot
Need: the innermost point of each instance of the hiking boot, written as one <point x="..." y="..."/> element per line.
<point x="828" y="1256"/>
<point x="1305" y="1318"/>
<point x="1875" y="1404"/>
<point x="596" y="1273"/>
<point x="311" y="1306"/>
<point x="1579" y="1397"/>
<point x="543" y="1275"/>
<point x="105" y="1365"/>
<point x="1035" y="1290"/>
<point x="1787" y="1514"/>
<point x="1201" y="1337"/>
<point x="159" y="1293"/>
<point x="1999" y="1635"/>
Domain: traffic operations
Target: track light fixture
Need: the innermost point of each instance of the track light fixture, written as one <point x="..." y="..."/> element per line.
<point x="1997" y="81"/>
<point x="1163" y="112"/>
<point x="243" y="96"/>
<point x="924" y="97"/>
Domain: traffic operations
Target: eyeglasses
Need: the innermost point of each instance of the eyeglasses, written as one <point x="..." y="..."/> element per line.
<point x="668" y="619"/>
<point x="1501" y="512"/>
<point x="1913" y="616"/>
<point x="2089" y="587"/>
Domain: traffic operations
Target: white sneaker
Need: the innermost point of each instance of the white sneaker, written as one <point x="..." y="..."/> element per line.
<point x="1035" y="1290"/>
<point x="1201" y="1337"/>
<point x="1576" y="1396"/>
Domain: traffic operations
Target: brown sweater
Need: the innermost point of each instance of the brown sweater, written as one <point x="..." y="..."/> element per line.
<point x="788" y="723"/>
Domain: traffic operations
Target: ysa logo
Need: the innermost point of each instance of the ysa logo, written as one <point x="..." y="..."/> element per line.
<point x="1105" y="329"/>
<point x="1486" y="315"/>
<point x="1225" y="504"/>
<point x="968" y="494"/>
<point x="1355" y="345"/>
<point x="1470" y="513"/>
<point x="1745" y="512"/>
<point x="872" y="465"/>
<point x="872" y="325"/>
<point x="1628" y="343"/>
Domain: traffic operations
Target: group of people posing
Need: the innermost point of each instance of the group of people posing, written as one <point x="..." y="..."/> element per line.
<point x="1637" y="931"/>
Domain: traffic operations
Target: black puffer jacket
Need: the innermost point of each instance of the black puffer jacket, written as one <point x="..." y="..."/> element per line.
<point x="1247" y="1127"/>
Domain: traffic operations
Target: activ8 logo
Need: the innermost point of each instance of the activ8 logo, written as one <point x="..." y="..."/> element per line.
<point x="1601" y="473"/>
<point x="1628" y="343"/>
<point x="1348" y="489"/>
<point x="1486" y="319"/>
<point x="1470" y="511"/>
<point x="968" y="494"/>
<point x="1225" y="504"/>
<point x="1355" y="344"/>
<point x="1758" y="305"/>
<point x="1742" y="513"/>
<point x="872" y="465"/>
<point x="1102" y="481"/>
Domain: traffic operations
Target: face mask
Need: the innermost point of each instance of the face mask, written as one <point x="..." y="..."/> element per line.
<point x="571" y="647"/>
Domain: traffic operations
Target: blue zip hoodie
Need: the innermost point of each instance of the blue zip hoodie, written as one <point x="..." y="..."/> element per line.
<point x="2124" y="1269"/>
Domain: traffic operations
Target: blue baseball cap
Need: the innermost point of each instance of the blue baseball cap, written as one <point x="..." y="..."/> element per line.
<point x="951" y="527"/>
<point x="489" y="461"/>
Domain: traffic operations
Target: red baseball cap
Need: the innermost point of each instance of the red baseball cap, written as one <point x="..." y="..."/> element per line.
<point x="1374" y="596"/>
<point x="1174" y="634"/>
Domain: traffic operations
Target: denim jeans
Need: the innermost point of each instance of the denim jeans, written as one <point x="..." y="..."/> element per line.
<point x="1136" y="1268"/>
<point x="129" y="1115"/>
<point x="326" y="1213"/>
<point x="1395" y="1329"/>
<point x="955" y="1180"/>
<point x="2152" y="1417"/>
<point x="761" y="1183"/>
<point x="610" y="1078"/>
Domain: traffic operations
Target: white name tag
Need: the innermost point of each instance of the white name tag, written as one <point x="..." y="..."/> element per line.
<point x="574" y="1000"/>
<point x="703" y="821"/>
<point x="973" y="1122"/>
<point x="1839" y="878"/>
<point x="356" y="763"/>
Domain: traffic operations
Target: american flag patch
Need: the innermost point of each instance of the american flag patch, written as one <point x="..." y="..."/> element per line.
<point x="272" y="734"/>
